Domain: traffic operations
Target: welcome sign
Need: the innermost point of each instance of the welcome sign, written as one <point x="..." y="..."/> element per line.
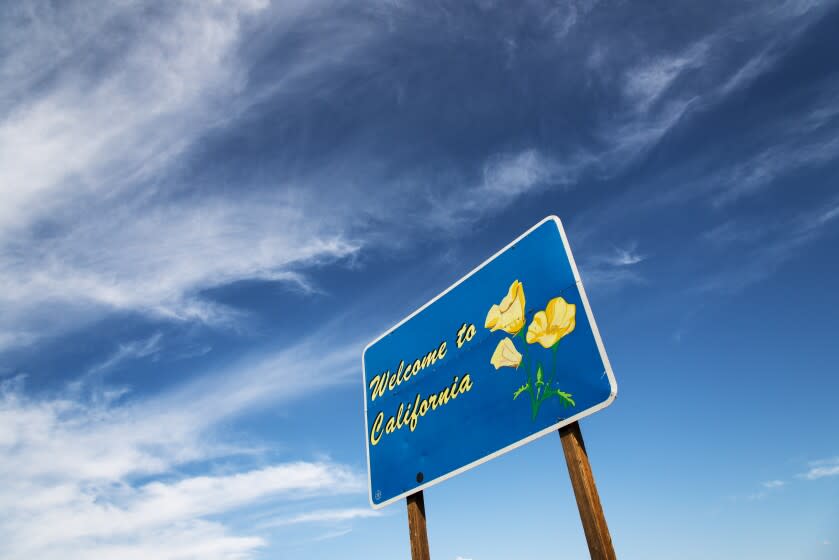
<point x="507" y="354"/>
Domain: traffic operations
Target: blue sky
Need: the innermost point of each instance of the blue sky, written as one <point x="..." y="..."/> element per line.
<point x="208" y="209"/>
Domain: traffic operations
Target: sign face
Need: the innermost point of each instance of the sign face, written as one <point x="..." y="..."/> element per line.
<point x="507" y="354"/>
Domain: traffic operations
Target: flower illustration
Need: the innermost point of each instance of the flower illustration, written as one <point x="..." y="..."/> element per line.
<point x="505" y="355"/>
<point x="549" y="326"/>
<point x="508" y="315"/>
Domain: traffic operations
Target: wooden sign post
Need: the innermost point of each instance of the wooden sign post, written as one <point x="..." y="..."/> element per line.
<point x="588" y="502"/>
<point x="416" y="527"/>
<point x="585" y="491"/>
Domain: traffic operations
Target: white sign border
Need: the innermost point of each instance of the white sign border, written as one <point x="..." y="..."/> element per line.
<point x="612" y="382"/>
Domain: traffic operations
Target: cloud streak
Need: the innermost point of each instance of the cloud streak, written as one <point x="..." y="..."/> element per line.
<point x="822" y="469"/>
<point x="94" y="220"/>
<point x="322" y="516"/>
<point x="764" y="248"/>
<point x="97" y="499"/>
<point x="614" y="269"/>
<point x="75" y="520"/>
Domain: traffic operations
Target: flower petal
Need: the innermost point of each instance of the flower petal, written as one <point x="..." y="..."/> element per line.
<point x="506" y="355"/>
<point x="509" y="314"/>
<point x="492" y="317"/>
<point x="537" y="327"/>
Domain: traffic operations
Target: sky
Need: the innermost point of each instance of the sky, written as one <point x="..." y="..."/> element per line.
<point x="209" y="208"/>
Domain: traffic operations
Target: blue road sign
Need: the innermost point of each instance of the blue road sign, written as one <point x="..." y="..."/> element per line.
<point x="507" y="354"/>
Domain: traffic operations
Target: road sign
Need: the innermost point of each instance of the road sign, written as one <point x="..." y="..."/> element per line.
<point x="507" y="354"/>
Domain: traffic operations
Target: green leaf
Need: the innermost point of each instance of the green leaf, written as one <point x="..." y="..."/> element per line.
<point x="521" y="390"/>
<point x="539" y="381"/>
<point x="565" y="399"/>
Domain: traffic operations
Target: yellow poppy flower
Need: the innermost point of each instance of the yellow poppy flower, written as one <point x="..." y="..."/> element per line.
<point x="548" y="326"/>
<point x="508" y="315"/>
<point x="505" y="355"/>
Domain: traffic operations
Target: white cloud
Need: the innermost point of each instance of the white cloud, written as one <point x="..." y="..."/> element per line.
<point x="614" y="269"/>
<point x="822" y="469"/>
<point x="764" y="168"/>
<point x="624" y="257"/>
<point x="95" y="502"/>
<point x="784" y="145"/>
<point x="107" y="439"/>
<point x="647" y="82"/>
<point x="96" y="518"/>
<point x="631" y="137"/>
<point x="322" y="516"/>
<point x="516" y="173"/>
<point x="109" y="264"/>
<point x="128" y="351"/>
<point x="563" y="18"/>
<point x="507" y="176"/>
<point x="656" y="103"/>
<point x="769" y="486"/>
<point x="186" y="541"/>
<point x="257" y="381"/>
<point x="504" y="178"/>
<point x="332" y="535"/>
<point x="92" y="130"/>
<point x="87" y="218"/>
<point x="746" y="74"/>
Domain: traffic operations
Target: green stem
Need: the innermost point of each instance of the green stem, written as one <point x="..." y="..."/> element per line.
<point x="532" y="394"/>
<point x="553" y="371"/>
<point x="528" y="366"/>
<point x="547" y="388"/>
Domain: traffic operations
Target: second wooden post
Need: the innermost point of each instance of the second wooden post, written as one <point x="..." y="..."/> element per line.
<point x="416" y="527"/>
<point x="588" y="501"/>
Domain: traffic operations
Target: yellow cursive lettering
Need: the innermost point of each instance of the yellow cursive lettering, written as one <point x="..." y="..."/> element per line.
<point x="377" y="428"/>
<point x="388" y="381"/>
<point x="408" y="414"/>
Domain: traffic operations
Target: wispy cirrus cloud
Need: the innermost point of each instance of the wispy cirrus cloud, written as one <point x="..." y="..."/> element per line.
<point x="97" y="109"/>
<point x="614" y="269"/>
<point x="767" y="488"/>
<point x="129" y="351"/>
<point x="120" y="486"/>
<point x="822" y="469"/>
<point x="503" y="179"/>
<point x="801" y="145"/>
<point x="645" y="84"/>
<point x="156" y="260"/>
<point x="94" y="520"/>
<point x="322" y="516"/>
<point x="93" y="130"/>
<point x="762" y="247"/>
<point x="660" y="91"/>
